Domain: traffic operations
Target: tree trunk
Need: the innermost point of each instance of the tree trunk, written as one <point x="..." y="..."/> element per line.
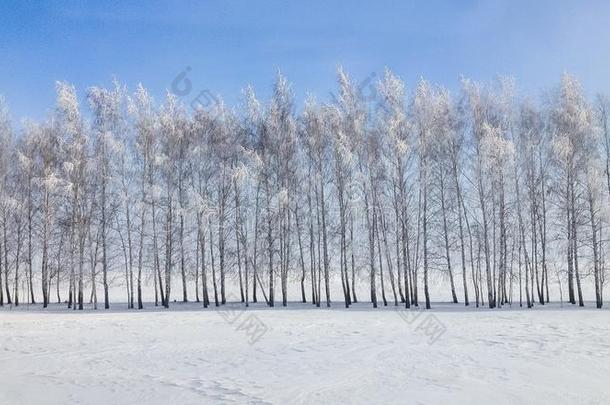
<point x="216" y="302"/>
<point x="446" y="236"/>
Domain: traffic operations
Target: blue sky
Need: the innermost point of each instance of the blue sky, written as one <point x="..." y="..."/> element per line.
<point x="228" y="44"/>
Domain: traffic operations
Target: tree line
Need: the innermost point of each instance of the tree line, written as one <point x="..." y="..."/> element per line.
<point x="492" y="196"/>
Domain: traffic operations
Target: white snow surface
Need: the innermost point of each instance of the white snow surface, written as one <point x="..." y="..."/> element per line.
<point x="306" y="355"/>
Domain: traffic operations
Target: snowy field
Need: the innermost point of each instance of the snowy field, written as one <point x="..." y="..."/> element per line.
<point x="304" y="355"/>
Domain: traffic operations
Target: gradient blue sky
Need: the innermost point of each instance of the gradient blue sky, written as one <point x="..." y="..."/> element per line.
<point x="229" y="44"/>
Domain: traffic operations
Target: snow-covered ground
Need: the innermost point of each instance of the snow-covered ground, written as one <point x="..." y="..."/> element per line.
<point x="305" y="355"/>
